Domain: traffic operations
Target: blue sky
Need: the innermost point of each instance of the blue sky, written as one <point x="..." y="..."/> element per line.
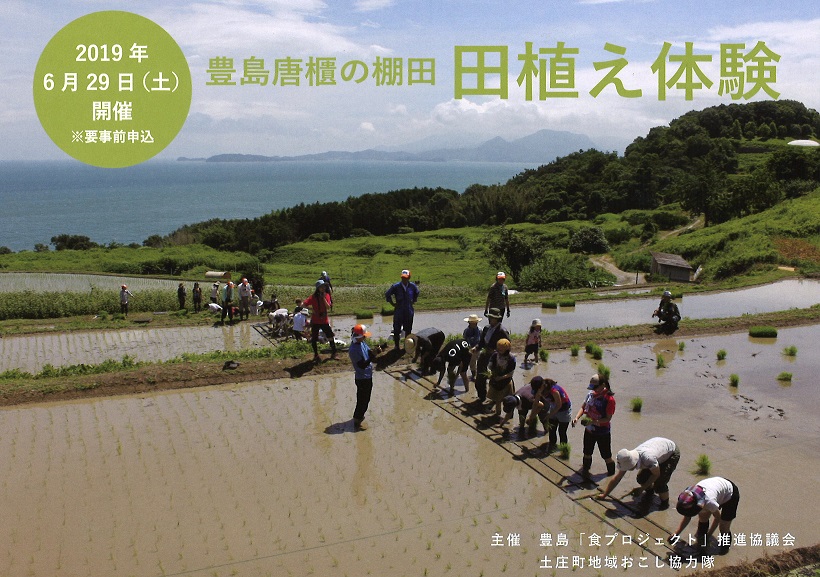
<point x="298" y="120"/>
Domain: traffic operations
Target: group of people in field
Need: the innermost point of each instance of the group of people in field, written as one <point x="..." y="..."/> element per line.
<point x="483" y="356"/>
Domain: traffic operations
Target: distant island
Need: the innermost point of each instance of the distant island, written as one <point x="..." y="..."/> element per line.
<point x="541" y="147"/>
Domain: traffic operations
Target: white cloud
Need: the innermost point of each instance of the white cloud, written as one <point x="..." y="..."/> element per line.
<point x="371" y="5"/>
<point x="367" y="127"/>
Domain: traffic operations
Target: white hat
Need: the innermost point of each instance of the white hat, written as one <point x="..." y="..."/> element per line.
<point x="627" y="460"/>
<point x="405" y="273"/>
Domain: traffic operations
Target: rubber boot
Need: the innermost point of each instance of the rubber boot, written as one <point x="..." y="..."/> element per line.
<point x="587" y="463"/>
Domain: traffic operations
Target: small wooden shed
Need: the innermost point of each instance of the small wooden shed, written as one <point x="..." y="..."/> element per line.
<point x="673" y="266"/>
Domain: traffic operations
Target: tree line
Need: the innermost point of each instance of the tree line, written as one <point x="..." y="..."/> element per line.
<point x="695" y="162"/>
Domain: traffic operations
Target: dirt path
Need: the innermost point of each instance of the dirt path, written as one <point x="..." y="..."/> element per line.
<point x="623" y="278"/>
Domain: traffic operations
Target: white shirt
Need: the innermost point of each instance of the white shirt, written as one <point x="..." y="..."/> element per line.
<point x="653" y="452"/>
<point x="717" y="491"/>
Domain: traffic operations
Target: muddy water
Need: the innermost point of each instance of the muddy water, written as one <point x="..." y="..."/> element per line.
<point x="268" y="478"/>
<point x="31" y="353"/>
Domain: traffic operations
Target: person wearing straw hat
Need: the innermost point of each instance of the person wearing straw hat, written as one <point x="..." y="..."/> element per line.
<point x="125" y="294"/>
<point x="362" y="358"/>
<point x="497" y="296"/>
<point x="656" y="459"/>
<point x="490" y="335"/>
<point x="402" y="296"/>
<point x="472" y="334"/>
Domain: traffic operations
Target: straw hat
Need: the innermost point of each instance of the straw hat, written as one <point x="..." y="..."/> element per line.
<point x="472" y="319"/>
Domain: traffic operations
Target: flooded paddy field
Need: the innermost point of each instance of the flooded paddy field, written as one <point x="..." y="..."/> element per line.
<point x="268" y="478"/>
<point x="31" y="353"/>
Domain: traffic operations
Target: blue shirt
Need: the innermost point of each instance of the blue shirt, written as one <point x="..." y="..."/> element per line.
<point x="360" y="351"/>
<point x="405" y="296"/>
<point x="472" y="335"/>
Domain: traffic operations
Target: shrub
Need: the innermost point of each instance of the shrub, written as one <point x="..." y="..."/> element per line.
<point x="573" y="350"/>
<point x="702" y="465"/>
<point x="786" y="377"/>
<point x="556" y="271"/>
<point x="721" y="355"/>
<point x="734" y="380"/>
<point x="636" y="404"/>
<point x="634" y="262"/>
<point x="589" y="239"/>
<point x="763" y="332"/>
<point x="790" y="351"/>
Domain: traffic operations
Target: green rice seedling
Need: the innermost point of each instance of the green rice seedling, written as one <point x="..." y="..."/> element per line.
<point x="790" y="351"/>
<point x="637" y="404"/>
<point x="785" y="377"/>
<point x="549" y="305"/>
<point x="544" y="355"/>
<point x="721" y="355"/>
<point x="603" y="370"/>
<point x="564" y="450"/>
<point x="734" y="380"/>
<point x="702" y="465"/>
<point x="763" y="332"/>
<point x="659" y="361"/>
<point x="589" y="346"/>
<point x="387" y="311"/>
<point x="363" y="315"/>
<point x="566" y="303"/>
<point x="681" y="346"/>
<point x="597" y="352"/>
<point x="585" y="421"/>
<point x="573" y="350"/>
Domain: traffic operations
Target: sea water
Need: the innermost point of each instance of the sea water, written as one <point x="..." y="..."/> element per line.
<point x="40" y="200"/>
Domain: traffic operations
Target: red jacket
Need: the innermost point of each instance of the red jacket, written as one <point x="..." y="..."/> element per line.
<point x="318" y="309"/>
